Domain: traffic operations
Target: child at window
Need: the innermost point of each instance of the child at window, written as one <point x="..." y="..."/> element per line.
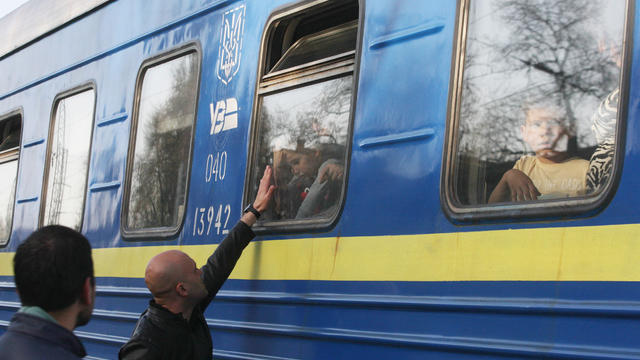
<point x="551" y="173"/>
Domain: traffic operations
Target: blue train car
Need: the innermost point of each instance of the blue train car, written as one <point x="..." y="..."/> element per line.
<point x="455" y="178"/>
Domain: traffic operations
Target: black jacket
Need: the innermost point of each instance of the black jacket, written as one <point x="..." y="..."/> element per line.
<point x="32" y="337"/>
<point x="160" y="334"/>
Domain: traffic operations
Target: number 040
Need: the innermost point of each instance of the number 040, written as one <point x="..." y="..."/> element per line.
<point x="216" y="167"/>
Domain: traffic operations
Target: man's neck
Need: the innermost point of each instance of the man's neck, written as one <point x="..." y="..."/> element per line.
<point x="37" y="311"/>
<point x="176" y="307"/>
<point x="66" y="317"/>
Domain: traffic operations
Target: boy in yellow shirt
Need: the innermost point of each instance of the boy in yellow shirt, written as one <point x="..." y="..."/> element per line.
<point x="551" y="173"/>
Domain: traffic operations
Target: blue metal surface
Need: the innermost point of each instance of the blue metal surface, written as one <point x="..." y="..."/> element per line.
<point x="326" y="319"/>
<point x="405" y="44"/>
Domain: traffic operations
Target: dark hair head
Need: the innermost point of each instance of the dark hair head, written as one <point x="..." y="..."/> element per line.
<point x="51" y="266"/>
<point x="331" y="151"/>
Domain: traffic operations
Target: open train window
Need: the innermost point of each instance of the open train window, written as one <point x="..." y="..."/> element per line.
<point x="10" y="131"/>
<point x="536" y="115"/>
<point x="67" y="164"/>
<point x="161" y="142"/>
<point x="302" y="113"/>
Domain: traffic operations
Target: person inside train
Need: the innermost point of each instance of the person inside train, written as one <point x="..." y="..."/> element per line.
<point x="294" y="173"/>
<point x="174" y="326"/>
<point x="604" y="123"/>
<point x="314" y="186"/>
<point x="604" y="127"/>
<point x="551" y="172"/>
<point x="55" y="282"/>
<point x="322" y="196"/>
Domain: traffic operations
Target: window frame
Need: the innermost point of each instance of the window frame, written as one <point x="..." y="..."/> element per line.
<point x="585" y="205"/>
<point x="12" y="155"/>
<point x="52" y="121"/>
<point x="158" y="232"/>
<point x="317" y="71"/>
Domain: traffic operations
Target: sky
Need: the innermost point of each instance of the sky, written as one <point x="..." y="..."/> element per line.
<point x="6" y="6"/>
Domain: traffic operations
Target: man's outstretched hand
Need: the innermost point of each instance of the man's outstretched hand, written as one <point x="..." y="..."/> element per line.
<point x="265" y="191"/>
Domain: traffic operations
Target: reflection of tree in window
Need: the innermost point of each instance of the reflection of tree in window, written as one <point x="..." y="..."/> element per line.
<point x="552" y="49"/>
<point x="68" y="162"/>
<point x="57" y="167"/>
<point x="518" y="53"/>
<point x="300" y="129"/>
<point x="163" y="140"/>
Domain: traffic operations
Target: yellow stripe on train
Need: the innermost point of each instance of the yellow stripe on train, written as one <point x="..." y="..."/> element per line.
<point x="598" y="253"/>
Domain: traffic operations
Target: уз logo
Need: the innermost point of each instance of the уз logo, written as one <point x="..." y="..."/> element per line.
<point x="230" y="50"/>
<point x="225" y="115"/>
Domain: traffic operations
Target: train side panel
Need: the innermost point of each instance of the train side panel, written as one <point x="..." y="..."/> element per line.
<point x="394" y="276"/>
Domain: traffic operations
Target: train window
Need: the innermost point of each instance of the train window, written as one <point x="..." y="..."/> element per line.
<point x="321" y="45"/>
<point x="535" y="105"/>
<point x="161" y="141"/>
<point x="10" y="129"/>
<point x="303" y="111"/>
<point x="67" y="165"/>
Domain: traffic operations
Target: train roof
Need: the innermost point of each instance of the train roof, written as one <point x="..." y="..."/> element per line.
<point x="37" y="18"/>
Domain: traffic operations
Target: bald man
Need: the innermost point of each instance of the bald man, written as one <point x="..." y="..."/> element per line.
<point x="174" y="326"/>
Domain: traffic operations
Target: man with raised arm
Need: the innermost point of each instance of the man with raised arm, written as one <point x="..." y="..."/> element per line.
<point x="174" y="326"/>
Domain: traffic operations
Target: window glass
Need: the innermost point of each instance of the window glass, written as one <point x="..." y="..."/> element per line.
<point x="9" y="153"/>
<point x="537" y="112"/>
<point x="68" y="163"/>
<point x="8" y="177"/>
<point x="303" y="114"/>
<point x="164" y="124"/>
<point x="303" y="136"/>
<point x="328" y="43"/>
<point x="9" y="133"/>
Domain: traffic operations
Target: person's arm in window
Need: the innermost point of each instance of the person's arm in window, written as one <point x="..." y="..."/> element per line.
<point x="514" y="186"/>
<point x="331" y="170"/>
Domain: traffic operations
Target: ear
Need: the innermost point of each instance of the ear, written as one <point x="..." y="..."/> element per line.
<point x="181" y="289"/>
<point x="88" y="292"/>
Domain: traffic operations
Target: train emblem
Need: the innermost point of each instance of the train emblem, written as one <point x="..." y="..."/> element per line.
<point x="230" y="50"/>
